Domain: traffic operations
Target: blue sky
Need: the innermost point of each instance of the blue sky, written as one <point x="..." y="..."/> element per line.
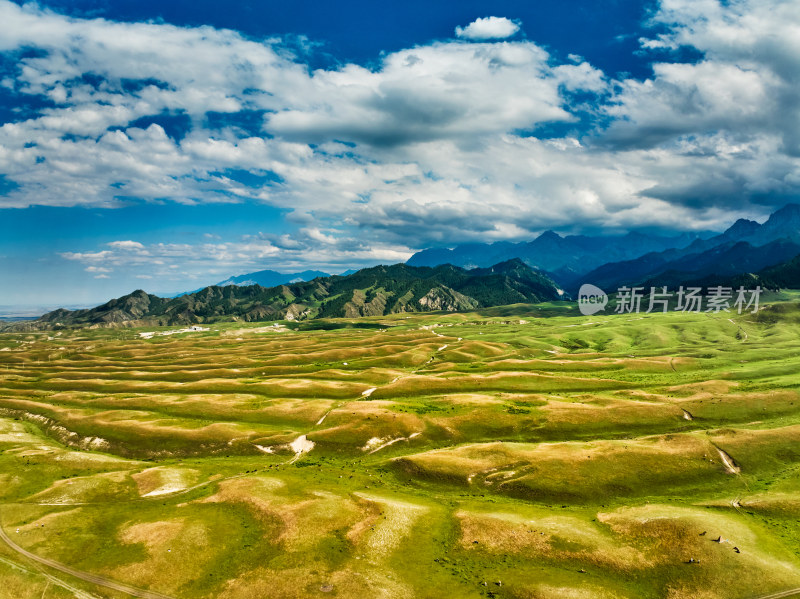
<point x="169" y="145"/>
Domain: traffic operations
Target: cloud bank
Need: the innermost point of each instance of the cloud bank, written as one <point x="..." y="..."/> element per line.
<point x="438" y="144"/>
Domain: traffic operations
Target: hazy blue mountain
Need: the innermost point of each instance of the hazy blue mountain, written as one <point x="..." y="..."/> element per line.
<point x="782" y="224"/>
<point x="785" y="275"/>
<point x="722" y="261"/>
<point x="572" y="259"/>
<point x="265" y="278"/>
<point x="745" y="247"/>
<point x="562" y="256"/>
<point x="271" y="278"/>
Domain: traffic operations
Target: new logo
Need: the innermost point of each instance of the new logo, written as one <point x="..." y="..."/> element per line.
<point x="591" y="299"/>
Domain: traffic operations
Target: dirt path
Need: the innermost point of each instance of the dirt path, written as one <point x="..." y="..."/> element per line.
<point x="391" y="442"/>
<point x="740" y="328"/>
<point x="139" y="499"/>
<point x="325" y="415"/>
<point x="78" y="593"/>
<point x="192" y="488"/>
<point x="300" y="447"/>
<point x="102" y="581"/>
<point x="367" y="393"/>
<point x="781" y="595"/>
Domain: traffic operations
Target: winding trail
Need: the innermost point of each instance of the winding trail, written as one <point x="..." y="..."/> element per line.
<point x="371" y="390"/>
<point x="97" y="579"/>
<point x="740" y="328"/>
<point x="368" y="392"/>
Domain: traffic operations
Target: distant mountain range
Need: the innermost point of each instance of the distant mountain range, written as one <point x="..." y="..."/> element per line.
<point x="611" y="261"/>
<point x="636" y="259"/>
<point x="564" y="257"/>
<point x="745" y="247"/>
<point x="265" y="278"/>
<point x="747" y="253"/>
<point x="271" y="278"/>
<point x="369" y="292"/>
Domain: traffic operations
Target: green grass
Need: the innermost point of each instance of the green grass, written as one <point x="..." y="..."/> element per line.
<point x="581" y="453"/>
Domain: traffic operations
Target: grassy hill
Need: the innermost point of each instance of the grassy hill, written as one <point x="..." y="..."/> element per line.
<point x="369" y="292"/>
<point x="512" y="452"/>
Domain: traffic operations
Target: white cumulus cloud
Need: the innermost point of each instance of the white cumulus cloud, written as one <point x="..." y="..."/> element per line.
<point x="488" y="28"/>
<point x="126" y="245"/>
<point x="438" y="144"/>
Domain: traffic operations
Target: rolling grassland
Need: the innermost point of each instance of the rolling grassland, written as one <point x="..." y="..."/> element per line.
<point x="519" y="452"/>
